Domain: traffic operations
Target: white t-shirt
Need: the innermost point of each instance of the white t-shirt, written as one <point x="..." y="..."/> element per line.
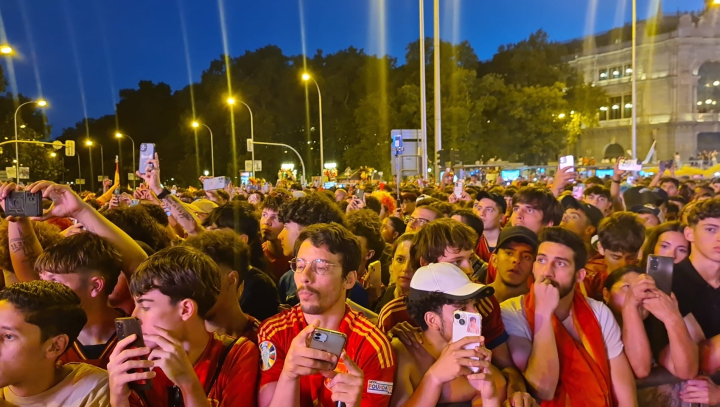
<point x="84" y="386"/>
<point x="516" y="324"/>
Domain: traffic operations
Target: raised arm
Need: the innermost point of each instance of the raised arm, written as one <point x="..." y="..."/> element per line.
<point x="67" y="204"/>
<point x="633" y="331"/>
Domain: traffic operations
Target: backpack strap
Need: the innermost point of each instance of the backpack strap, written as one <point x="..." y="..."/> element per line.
<point x="228" y="343"/>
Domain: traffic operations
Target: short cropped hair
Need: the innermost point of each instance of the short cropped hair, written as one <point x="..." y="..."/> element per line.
<point x="82" y="253"/>
<point x="559" y="235"/>
<point x="366" y="223"/>
<point x="137" y="222"/>
<point x="52" y="307"/>
<point x="621" y="232"/>
<point x="542" y="199"/>
<point x="472" y="220"/>
<point x="594" y="180"/>
<point x="242" y="217"/>
<point x="674" y="181"/>
<point x="616" y="275"/>
<point x="436" y="237"/>
<point x="337" y="240"/>
<point x="225" y="248"/>
<point x="598" y="189"/>
<point x="373" y="204"/>
<point x="708" y="209"/>
<point x="157" y="212"/>
<point x="180" y="272"/>
<point x="311" y="209"/>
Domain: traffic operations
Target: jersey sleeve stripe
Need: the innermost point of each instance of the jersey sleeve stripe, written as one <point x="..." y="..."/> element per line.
<point x="387" y="311"/>
<point x="269" y="330"/>
<point x="366" y="332"/>
<point x="379" y="342"/>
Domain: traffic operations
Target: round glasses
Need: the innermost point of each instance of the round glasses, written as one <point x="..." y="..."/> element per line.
<point x="318" y="266"/>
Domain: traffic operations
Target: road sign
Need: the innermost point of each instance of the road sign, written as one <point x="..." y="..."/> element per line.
<point x="4" y="176"/>
<point x="249" y="145"/>
<point x="131" y="176"/>
<point x="57" y="144"/>
<point x="101" y="178"/>
<point x="10" y="171"/>
<point x="80" y="181"/>
<point x="258" y="165"/>
<point x="24" y="172"/>
<point x="70" y="148"/>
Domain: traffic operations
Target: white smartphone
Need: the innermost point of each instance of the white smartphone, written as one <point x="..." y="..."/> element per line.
<point x="567" y="161"/>
<point x="459" y="188"/>
<point x="213" y="183"/>
<point x="374" y="274"/>
<point x="629" y="165"/>
<point x="467" y="324"/>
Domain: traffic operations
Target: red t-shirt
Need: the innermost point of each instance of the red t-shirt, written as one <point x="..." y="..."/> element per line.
<point x="483" y="250"/>
<point x="592" y="285"/>
<point x="75" y="353"/>
<point x="235" y="386"/>
<point x="279" y="265"/>
<point x="366" y="346"/>
<point x="493" y="328"/>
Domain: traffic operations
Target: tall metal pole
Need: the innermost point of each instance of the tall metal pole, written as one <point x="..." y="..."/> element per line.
<point x="438" y="101"/>
<point x="102" y="161"/>
<point x="212" y="149"/>
<point x="17" y="150"/>
<point x="133" y="155"/>
<point x="79" y="172"/>
<point x="322" y="158"/>
<point x="92" y="174"/>
<point x="634" y="79"/>
<point x="423" y="93"/>
<point x="252" y="135"/>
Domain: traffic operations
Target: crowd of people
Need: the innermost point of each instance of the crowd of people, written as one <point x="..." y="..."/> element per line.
<point x="308" y="297"/>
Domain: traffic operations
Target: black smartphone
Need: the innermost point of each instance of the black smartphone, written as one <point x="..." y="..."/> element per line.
<point x="660" y="268"/>
<point x="147" y="152"/>
<point x="124" y="328"/>
<point x="23" y="204"/>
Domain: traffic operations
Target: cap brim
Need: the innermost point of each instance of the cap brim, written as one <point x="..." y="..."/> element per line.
<point x="467" y="292"/>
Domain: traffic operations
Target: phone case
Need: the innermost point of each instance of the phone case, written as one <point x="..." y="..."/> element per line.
<point x="567" y="161"/>
<point x="660" y="268"/>
<point x="124" y="328"/>
<point x="467" y="324"/>
<point x="328" y="341"/>
<point x="629" y="165"/>
<point x="459" y="186"/>
<point x="211" y="184"/>
<point x="23" y="204"/>
<point x="147" y="152"/>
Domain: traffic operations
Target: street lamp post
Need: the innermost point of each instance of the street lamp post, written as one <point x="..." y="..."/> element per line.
<point x="119" y="136"/>
<point x="252" y="139"/>
<point x="306" y="77"/>
<point x="89" y="144"/>
<point x="212" y="144"/>
<point x="40" y="103"/>
<point x="634" y="79"/>
<point x="79" y="173"/>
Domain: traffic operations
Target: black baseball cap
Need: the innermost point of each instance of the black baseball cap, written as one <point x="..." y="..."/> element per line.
<point x="646" y="209"/>
<point x="591" y="211"/>
<point x="498" y="199"/>
<point x="518" y="234"/>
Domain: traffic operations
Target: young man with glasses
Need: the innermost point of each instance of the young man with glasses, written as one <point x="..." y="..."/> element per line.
<point x="327" y="257"/>
<point x="421" y="216"/>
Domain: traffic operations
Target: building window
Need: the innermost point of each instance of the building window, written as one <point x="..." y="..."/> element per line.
<point x="603" y="74"/>
<point x="603" y="113"/>
<point x="708" y="90"/>
<point x="616" y="72"/>
<point x="616" y="108"/>
<point x="627" y="106"/>
<point x="627" y="72"/>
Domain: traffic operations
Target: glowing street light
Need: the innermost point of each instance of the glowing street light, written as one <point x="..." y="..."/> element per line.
<point x="41" y="103"/>
<point x="119" y="135"/>
<point x="88" y="143"/>
<point x="6" y="49"/>
<point x="196" y="124"/>
<point x="306" y="77"/>
<point x="53" y="155"/>
<point x="206" y="173"/>
<point x="231" y="101"/>
<point x="561" y="116"/>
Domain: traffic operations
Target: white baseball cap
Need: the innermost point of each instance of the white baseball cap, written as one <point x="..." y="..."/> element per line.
<point x="448" y="279"/>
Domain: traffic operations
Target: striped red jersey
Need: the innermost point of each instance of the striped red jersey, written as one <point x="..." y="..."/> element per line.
<point x="365" y="345"/>
<point x="483" y="250"/>
<point x="493" y="328"/>
<point x="77" y="352"/>
<point x="251" y="329"/>
<point x="597" y="273"/>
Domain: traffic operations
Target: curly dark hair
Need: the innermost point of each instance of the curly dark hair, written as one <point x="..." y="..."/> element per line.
<point x="543" y="200"/>
<point x="436" y="237"/>
<point x="157" y="212"/>
<point x="373" y="204"/>
<point x="562" y="236"/>
<point x="52" y="307"/>
<point x="429" y="302"/>
<point x="225" y="248"/>
<point x="708" y="209"/>
<point x="366" y="223"/>
<point x="311" y="209"/>
<point x="46" y="233"/>
<point x="621" y="232"/>
<point x="337" y="240"/>
<point x="82" y="253"/>
<point x="272" y="202"/>
<point x="137" y="222"/>
<point x="241" y="217"/>
<point x="180" y="272"/>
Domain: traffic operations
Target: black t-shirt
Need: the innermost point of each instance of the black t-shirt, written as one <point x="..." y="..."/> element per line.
<point x="260" y="296"/>
<point x="695" y="296"/>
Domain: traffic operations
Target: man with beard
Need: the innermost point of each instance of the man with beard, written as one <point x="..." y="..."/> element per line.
<point x="327" y="257"/>
<point x="513" y="260"/>
<point x="568" y="346"/>
<point x="270" y="228"/>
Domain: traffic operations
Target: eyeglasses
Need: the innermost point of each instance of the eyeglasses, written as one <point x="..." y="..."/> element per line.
<point x="318" y="266"/>
<point x="420" y="221"/>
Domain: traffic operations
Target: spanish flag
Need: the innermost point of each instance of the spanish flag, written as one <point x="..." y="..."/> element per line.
<point x="109" y="193"/>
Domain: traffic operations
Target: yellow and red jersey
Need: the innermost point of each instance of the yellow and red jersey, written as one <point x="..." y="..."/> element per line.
<point x="368" y="347"/>
<point x="78" y="353"/>
<point x="483" y="250"/>
<point x="393" y="313"/>
<point x="235" y="384"/>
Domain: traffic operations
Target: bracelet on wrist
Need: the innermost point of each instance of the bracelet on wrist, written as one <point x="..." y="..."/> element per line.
<point x="165" y="192"/>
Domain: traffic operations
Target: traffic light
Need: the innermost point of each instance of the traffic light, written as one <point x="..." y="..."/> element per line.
<point x="443" y="157"/>
<point x="69" y="148"/>
<point x="454" y="157"/>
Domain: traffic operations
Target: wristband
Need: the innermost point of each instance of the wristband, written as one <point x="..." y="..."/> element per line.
<point x="617" y="182"/>
<point x="165" y="192"/>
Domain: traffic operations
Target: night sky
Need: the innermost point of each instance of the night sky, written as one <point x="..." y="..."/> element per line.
<point x="113" y="44"/>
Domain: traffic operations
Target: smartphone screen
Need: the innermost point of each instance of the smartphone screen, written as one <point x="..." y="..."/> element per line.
<point x="360" y="194"/>
<point x="459" y="187"/>
<point x="660" y="268"/>
<point x="467" y="324"/>
<point x="147" y="152"/>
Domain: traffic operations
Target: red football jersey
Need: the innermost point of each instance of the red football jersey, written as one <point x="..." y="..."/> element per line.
<point x="74" y="353"/>
<point x="493" y="328"/>
<point x="366" y="346"/>
<point x="483" y="250"/>
<point x="592" y="285"/>
<point x="236" y="385"/>
<point x="251" y="329"/>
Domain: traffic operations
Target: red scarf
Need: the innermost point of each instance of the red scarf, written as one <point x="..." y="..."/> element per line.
<point x="580" y="362"/>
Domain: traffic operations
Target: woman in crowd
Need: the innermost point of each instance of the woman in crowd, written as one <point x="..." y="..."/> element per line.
<point x="667" y="239"/>
<point x="400" y="271"/>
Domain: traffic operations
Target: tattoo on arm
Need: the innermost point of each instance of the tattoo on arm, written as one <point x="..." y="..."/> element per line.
<point x="182" y="211"/>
